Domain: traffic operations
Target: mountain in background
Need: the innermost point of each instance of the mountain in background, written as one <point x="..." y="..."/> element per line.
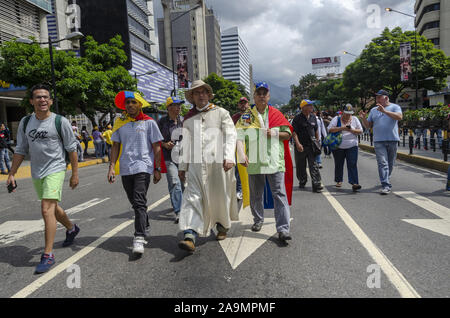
<point x="278" y="95"/>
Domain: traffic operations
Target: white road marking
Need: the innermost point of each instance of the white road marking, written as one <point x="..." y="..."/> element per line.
<point x="401" y="162"/>
<point x="241" y="242"/>
<point x="11" y="231"/>
<point x="441" y="226"/>
<point x="394" y="275"/>
<point x="85" y="206"/>
<point x="28" y="290"/>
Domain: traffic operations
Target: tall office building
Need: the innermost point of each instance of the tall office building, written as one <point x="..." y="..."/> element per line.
<point x="19" y="19"/>
<point x="433" y="22"/>
<point x="213" y="39"/>
<point x="193" y="32"/>
<point x="235" y="58"/>
<point x="133" y="20"/>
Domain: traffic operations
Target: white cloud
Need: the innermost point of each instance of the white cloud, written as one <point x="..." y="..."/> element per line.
<point x="284" y="35"/>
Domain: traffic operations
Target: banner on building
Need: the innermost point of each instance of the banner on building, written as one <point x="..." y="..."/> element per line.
<point x="405" y="62"/>
<point x="323" y="62"/>
<point x="182" y="67"/>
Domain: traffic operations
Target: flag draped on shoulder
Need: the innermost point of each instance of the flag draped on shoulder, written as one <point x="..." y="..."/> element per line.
<point x="251" y="119"/>
<point x="122" y="121"/>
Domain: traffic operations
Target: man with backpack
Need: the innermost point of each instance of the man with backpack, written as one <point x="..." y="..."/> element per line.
<point x="46" y="137"/>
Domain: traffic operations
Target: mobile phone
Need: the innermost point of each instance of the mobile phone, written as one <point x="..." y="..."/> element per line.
<point x="349" y="127"/>
<point x="11" y="187"/>
<point x="111" y="179"/>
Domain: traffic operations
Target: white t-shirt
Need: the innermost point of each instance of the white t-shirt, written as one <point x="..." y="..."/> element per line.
<point x="349" y="140"/>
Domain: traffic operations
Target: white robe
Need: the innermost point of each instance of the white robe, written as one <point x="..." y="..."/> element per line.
<point x="210" y="194"/>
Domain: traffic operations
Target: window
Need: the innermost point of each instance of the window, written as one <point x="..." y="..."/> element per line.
<point x="430" y="25"/>
<point x="435" y="41"/>
<point x="429" y="8"/>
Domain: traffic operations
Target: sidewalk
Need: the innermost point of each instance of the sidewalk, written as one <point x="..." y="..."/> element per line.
<point x="25" y="168"/>
<point x="425" y="158"/>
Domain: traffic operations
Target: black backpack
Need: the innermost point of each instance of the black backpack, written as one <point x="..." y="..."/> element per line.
<point x="58" y="129"/>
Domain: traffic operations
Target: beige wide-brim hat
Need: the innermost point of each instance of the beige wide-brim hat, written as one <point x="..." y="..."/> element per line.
<point x="195" y="85"/>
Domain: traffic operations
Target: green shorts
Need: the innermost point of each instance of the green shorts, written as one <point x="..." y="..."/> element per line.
<point x="50" y="187"/>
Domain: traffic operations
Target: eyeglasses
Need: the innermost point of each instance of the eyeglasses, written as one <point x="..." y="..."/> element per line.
<point x="42" y="97"/>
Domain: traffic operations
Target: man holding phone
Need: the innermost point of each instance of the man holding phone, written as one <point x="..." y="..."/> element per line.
<point x="384" y="120"/>
<point x="38" y="135"/>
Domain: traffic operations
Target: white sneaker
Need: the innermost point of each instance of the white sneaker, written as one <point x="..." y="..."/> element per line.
<point x="138" y="245"/>
<point x="239" y="195"/>
<point x="385" y="191"/>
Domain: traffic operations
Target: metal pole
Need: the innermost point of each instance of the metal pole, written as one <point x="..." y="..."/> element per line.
<point x="55" y="98"/>
<point x="417" y="62"/>
<point x="174" y="92"/>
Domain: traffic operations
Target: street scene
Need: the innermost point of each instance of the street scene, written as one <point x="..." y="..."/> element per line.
<point x="176" y="155"/>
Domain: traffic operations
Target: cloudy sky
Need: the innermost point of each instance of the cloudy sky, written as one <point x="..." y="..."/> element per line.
<point x="284" y="35"/>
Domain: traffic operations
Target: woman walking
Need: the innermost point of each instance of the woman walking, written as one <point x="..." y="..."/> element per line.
<point x="350" y="127"/>
<point x="98" y="142"/>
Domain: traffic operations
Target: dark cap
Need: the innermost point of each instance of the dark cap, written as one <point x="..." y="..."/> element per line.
<point x="261" y="85"/>
<point x="382" y="92"/>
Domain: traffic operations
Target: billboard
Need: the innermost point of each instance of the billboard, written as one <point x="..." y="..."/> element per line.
<point x="405" y="62"/>
<point x="323" y="62"/>
<point x="182" y="67"/>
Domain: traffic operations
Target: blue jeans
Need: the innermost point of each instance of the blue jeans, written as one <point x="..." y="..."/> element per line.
<point x="175" y="186"/>
<point x="351" y="155"/>
<point x="238" y="180"/>
<point x="386" y="152"/>
<point x="4" y="156"/>
<point x="438" y="133"/>
<point x="98" y="149"/>
<point x="319" y="159"/>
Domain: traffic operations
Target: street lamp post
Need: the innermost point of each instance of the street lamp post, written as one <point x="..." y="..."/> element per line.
<point x="174" y="92"/>
<point x="346" y="52"/>
<point x="71" y="36"/>
<point x="146" y="73"/>
<point x="415" y="52"/>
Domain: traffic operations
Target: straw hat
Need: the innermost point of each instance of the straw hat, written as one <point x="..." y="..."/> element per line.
<point x="195" y="85"/>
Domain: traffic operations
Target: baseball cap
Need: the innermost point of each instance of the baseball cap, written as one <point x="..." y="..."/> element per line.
<point x="348" y="109"/>
<point x="243" y="98"/>
<point x="306" y="102"/>
<point x="172" y="100"/>
<point x="382" y="92"/>
<point x="261" y="85"/>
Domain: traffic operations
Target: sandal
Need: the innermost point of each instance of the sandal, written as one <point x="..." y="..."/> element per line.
<point x="339" y="184"/>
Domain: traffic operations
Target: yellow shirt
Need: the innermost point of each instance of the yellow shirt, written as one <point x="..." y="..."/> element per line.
<point x="107" y="135"/>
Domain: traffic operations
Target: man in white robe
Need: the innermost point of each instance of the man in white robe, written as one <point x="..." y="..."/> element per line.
<point x="206" y="161"/>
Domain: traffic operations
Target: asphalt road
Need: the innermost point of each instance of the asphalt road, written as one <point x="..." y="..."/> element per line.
<point x="344" y="244"/>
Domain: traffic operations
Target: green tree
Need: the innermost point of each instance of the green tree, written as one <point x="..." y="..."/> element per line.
<point x="378" y="66"/>
<point x="84" y="85"/>
<point x="332" y="93"/>
<point x="302" y="91"/>
<point x="226" y="93"/>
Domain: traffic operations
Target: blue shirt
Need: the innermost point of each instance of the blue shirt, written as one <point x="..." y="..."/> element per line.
<point x="384" y="127"/>
<point x="137" y="139"/>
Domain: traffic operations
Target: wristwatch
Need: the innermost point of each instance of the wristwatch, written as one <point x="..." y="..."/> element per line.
<point x="158" y="169"/>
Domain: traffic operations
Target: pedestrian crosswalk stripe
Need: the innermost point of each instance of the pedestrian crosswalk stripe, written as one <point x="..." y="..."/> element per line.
<point x="28" y="290"/>
<point x="441" y="225"/>
<point x="394" y="275"/>
<point x="11" y="231"/>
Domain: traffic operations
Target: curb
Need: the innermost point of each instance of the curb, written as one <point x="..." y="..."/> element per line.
<point x="25" y="172"/>
<point x="422" y="161"/>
